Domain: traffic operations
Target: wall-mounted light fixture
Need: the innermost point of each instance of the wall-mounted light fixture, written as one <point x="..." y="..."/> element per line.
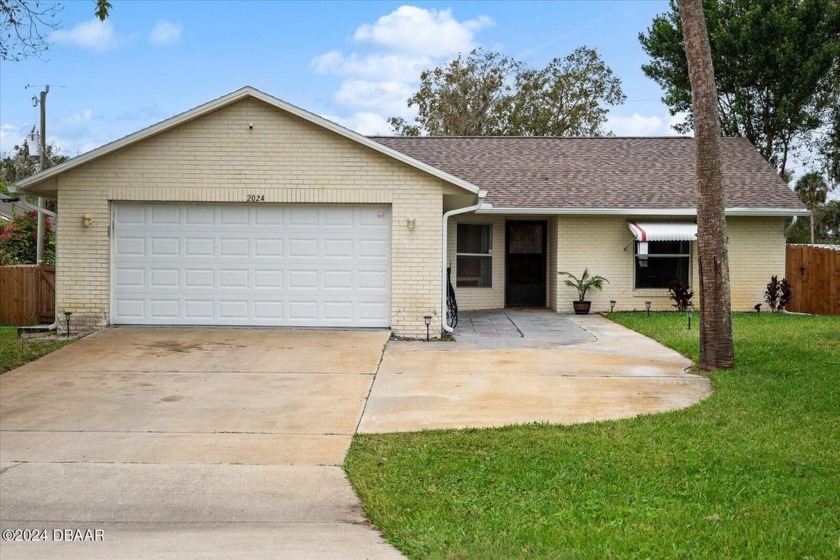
<point x="647" y="306"/>
<point x="428" y="319"/>
<point x="410" y="223"/>
<point x="87" y="220"/>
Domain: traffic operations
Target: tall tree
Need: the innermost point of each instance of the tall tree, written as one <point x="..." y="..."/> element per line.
<point x="25" y="25"/>
<point x="569" y="97"/>
<point x="716" y="346"/>
<point x="466" y="97"/>
<point x="489" y="94"/>
<point x="828" y="146"/>
<point x="772" y="59"/>
<point x="812" y="190"/>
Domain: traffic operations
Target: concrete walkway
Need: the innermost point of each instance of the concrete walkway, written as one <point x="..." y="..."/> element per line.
<point x="509" y="367"/>
<point x="189" y="443"/>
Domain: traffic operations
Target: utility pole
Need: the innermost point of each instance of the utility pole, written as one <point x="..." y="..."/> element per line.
<point x="39" y="251"/>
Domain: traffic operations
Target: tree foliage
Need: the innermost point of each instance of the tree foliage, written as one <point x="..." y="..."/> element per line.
<point x="489" y="94"/>
<point x="828" y="146"/>
<point x="826" y="225"/>
<point x="20" y="164"/>
<point x="25" y="26"/>
<point x="812" y="190"/>
<point x="773" y="68"/>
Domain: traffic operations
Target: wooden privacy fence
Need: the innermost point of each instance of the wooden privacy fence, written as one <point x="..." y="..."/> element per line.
<point x="814" y="274"/>
<point x="27" y="294"/>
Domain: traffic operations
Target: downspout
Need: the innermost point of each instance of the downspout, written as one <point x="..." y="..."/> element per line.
<point x="790" y="226"/>
<point x="445" y="253"/>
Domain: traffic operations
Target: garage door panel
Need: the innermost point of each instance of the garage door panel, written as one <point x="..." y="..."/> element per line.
<point x="197" y="309"/>
<point x="234" y="247"/>
<point x="218" y="264"/>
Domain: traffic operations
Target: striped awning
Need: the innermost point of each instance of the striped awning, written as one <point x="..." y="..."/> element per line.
<point x="664" y="231"/>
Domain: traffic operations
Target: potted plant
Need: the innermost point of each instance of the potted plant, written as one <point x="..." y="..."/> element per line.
<point x="583" y="285"/>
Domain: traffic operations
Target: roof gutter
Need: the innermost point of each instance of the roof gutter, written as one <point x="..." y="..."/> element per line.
<point x="444" y="253"/>
<point x="767" y="212"/>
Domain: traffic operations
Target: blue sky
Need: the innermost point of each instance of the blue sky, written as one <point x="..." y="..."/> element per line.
<point x="352" y="62"/>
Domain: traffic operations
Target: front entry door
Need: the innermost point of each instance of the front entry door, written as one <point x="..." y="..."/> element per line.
<point x="525" y="256"/>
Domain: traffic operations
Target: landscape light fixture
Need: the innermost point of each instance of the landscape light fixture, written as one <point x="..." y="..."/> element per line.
<point x="690" y="310"/>
<point x="612" y="305"/>
<point x="428" y="319"/>
<point x="757" y="308"/>
<point x="67" y="318"/>
<point x="647" y="306"/>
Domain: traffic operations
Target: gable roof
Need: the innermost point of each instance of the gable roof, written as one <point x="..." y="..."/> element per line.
<point x="601" y="175"/>
<point x="30" y="182"/>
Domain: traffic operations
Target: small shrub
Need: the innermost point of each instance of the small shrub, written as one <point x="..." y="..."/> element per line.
<point x="771" y="294"/>
<point x="681" y="295"/>
<point x="785" y="294"/>
<point x="778" y="293"/>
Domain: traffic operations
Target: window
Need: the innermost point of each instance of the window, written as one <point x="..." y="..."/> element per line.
<point x="663" y="262"/>
<point x="474" y="256"/>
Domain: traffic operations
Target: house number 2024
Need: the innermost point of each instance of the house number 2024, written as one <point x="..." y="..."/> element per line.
<point x="255" y="198"/>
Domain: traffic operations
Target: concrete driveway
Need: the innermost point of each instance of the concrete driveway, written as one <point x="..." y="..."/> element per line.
<point x="518" y="366"/>
<point x="225" y="443"/>
<point x="192" y="443"/>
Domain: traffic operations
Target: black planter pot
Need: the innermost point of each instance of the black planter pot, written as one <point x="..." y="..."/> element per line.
<point x="582" y="307"/>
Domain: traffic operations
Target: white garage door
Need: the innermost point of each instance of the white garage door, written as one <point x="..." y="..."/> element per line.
<point x="264" y="264"/>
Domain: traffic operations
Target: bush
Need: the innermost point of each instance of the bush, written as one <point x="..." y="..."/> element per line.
<point x="19" y="239"/>
<point x="681" y="295"/>
<point x="778" y="293"/>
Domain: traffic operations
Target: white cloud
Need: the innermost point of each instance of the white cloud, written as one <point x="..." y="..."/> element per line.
<point x="641" y="125"/>
<point x="635" y="125"/>
<point x="414" y="30"/>
<point x="77" y="119"/>
<point x="12" y="135"/>
<point x="165" y="33"/>
<point x="384" y="69"/>
<point x="366" y="123"/>
<point x="386" y="98"/>
<point x="671" y="120"/>
<point x="375" y="66"/>
<point x="93" y="34"/>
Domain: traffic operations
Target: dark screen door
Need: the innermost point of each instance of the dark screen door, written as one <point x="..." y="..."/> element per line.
<point x="525" y="256"/>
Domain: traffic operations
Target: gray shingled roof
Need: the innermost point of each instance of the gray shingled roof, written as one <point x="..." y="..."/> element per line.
<point x="540" y="172"/>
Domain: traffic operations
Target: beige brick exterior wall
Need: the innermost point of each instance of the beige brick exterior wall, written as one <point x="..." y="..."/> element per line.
<point x="217" y="158"/>
<point x="472" y="298"/>
<point x="756" y="252"/>
<point x="605" y="246"/>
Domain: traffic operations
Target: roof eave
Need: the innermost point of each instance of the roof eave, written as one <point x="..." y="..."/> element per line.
<point x="223" y="101"/>
<point x="766" y="212"/>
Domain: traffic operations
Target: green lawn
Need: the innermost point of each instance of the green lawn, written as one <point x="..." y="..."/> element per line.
<point x="751" y="472"/>
<point x="15" y="352"/>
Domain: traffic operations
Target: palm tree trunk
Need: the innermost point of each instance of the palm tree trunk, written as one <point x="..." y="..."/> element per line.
<point x="812" y="225"/>
<point x="716" y="347"/>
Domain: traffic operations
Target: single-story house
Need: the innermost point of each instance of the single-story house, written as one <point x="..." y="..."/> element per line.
<point x="250" y="211"/>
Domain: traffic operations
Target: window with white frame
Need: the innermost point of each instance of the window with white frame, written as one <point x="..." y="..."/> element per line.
<point x="474" y="256"/>
<point x="658" y="263"/>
